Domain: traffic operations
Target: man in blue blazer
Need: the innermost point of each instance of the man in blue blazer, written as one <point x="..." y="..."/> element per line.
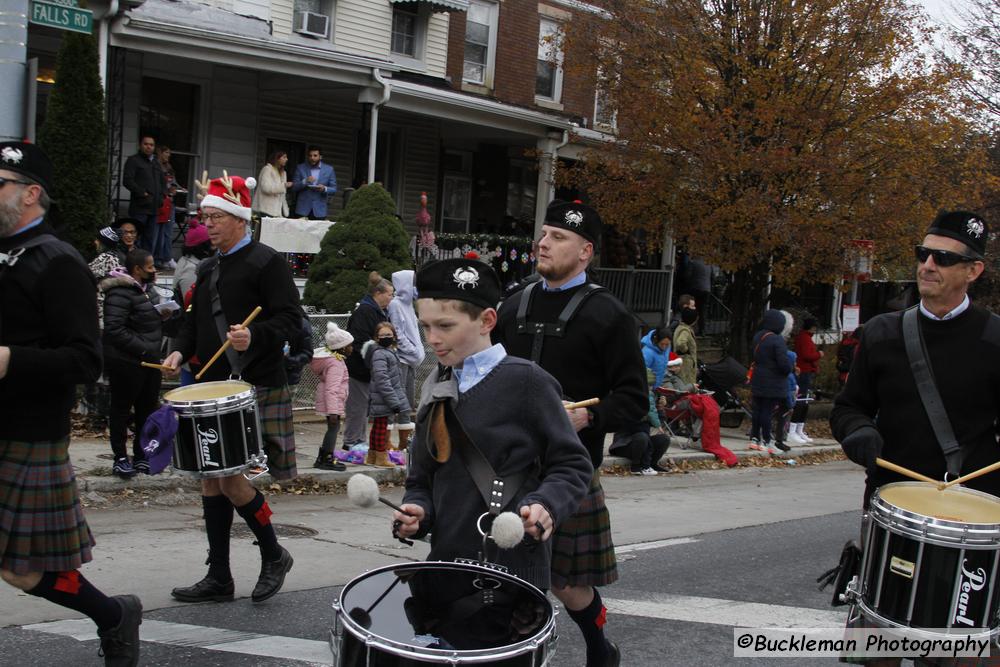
<point x="315" y="182"/>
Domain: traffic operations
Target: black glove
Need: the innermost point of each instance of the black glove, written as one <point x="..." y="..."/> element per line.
<point x="863" y="446"/>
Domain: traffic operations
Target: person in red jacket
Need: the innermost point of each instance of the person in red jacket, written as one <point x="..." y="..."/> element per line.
<point x="808" y="357"/>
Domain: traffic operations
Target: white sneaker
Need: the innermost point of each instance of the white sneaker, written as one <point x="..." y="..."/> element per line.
<point x="793" y="436"/>
<point x="649" y="471"/>
<point x="802" y="434"/>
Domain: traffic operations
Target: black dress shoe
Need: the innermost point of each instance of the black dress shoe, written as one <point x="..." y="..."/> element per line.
<point x="208" y="589"/>
<point x="614" y="655"/>
<point x="272" y="576"/>
<point x="120" y="644"/>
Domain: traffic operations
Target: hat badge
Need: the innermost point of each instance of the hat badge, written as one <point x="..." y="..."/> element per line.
<point x="974" y="227"/>
<point x="574" y="218"/>
<point x="11" y="154"/>
<point x="465" y="276"/>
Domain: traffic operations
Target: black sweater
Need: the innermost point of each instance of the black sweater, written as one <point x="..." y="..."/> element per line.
<point x="964" y="354"/>
<point x="245" y="282"/>
<point x="516" y="419"/>
<point x="598" y="357"/>
<point x="361" y="325"/>
<point x="48" y="317"/>
<point x="133" y="330"/>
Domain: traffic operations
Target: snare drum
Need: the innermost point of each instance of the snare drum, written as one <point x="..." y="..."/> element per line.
<point x="218" y="431"/>
<point x="443" y="614"/>
<point x="931" y="558"/>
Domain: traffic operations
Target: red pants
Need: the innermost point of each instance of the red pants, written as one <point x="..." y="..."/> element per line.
<point x="707" y="409"/>
<point x="378" y="439"/>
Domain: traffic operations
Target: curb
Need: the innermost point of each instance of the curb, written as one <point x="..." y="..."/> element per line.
<point x="177" y="482"/>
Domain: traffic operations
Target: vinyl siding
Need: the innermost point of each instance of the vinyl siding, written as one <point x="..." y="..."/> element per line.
<point x="363" y="27"/>
<point x="281" y="15"/>
<point x="259" y="8"/>
<point x="437" y="45"/>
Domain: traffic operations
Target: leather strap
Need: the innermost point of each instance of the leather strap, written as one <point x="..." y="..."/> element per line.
<point x="221" y="326"/>
<point x="916" y="351"/>
<point x="540" y="330"/>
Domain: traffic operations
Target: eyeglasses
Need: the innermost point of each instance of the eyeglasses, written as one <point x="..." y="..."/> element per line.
<point x="5" y="181"/>
<point x="214" y="217"/>
<point x="941" y="257"/>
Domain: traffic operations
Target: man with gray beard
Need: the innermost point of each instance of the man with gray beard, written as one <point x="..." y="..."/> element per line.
<point x="48" y="344"/>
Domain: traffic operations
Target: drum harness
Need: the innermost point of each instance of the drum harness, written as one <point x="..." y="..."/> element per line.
<point x="556" y="329"/>
<point x="9" y="259"/>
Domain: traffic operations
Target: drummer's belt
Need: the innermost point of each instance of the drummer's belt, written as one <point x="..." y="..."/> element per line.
<point x="542" y="329"/>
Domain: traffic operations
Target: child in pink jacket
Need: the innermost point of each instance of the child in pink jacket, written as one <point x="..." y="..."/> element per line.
<point x="331" y="394"/>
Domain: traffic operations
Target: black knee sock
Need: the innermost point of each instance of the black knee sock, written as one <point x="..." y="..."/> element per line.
<point x="218" y="524"/>
<point x="330" y="439"/>
<point x="257" y="514"/>
<point x="591" y="620"/>
<point x="71" y="590"/>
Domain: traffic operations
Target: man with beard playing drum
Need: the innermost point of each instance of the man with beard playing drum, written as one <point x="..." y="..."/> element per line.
<point x="880" y="412"/>
<point x="243" y="275"/>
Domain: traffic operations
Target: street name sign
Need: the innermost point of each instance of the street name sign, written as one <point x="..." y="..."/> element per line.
<point x="62" y="17"/>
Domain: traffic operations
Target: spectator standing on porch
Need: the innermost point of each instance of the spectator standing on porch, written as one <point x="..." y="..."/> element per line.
<point x="162" y="235"/>
<point x="143" y="178"/>
<point x="315" y="182"/>
<point x="272" y="187"/>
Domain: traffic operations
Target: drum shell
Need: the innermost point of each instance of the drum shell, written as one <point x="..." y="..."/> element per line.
<point x="217" y="437"/>
<point x="354" y="645"/>
<point x="923" y="572"/>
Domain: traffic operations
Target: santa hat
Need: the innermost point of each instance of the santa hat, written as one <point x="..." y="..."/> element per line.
<point x="674" y="360"/>
<point x="230" y="194"/>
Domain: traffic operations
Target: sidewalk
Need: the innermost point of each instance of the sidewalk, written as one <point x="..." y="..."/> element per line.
<point x="92" y="461"/>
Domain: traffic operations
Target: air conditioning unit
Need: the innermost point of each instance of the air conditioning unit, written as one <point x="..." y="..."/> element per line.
<point x="310" y="23"/>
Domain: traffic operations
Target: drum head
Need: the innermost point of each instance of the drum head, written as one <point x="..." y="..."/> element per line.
<point x="207" y="391"/>
<point x="955" y="514"/>
<point x="445" y="612"/>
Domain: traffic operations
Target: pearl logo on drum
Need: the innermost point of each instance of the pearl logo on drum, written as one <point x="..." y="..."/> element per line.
<point x="970" y="581"/>
<point x="207" y="438"/>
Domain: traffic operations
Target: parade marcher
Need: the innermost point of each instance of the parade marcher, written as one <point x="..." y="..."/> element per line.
<point x="880" y="413"/>
<point x="331" y="392"/>
<point x="504" y="407"/>
<point x="144" y="179"/>
<point x="244" y="275"/>
<point x="133" y="333"/>
<point x="582" y="335"/>
<point x="361" y="325"/>
<point x="769" y="384"/>
<point x="807" y="356"/>
<point x="409" y="347"/>
<point x="48" y="345"/>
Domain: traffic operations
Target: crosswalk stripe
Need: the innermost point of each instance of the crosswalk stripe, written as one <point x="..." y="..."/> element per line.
<point x="645" y="546"/>
<point x="198" y="636"/>
<point x="736" y="613"/>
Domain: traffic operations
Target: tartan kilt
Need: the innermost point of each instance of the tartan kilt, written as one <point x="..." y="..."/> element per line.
<point x="582" y="551"/>
<point x="42" y="527"/>
<point x="278" y="431"/>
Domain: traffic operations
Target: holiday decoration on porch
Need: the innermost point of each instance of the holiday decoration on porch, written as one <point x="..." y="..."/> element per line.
<point x="425" y="238"/>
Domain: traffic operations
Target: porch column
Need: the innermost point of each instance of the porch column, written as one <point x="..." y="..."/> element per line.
<point x="13" y="55"/>
<point x="548" y="147"/>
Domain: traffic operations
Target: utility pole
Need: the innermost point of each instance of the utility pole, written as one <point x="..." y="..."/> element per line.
<point x="13" y="55"/>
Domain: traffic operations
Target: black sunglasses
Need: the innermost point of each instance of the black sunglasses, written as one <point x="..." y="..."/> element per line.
<point x="941" y="257"/>
<point x="5" y="181"/>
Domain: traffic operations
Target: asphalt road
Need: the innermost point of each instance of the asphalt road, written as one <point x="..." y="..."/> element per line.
<point x="693" y="550"/>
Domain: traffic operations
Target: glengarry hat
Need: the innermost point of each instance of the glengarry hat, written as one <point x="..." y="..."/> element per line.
<point x="29" y="160"/>
<point x="962" y="226"/>
<point x="576" y="217"/>
<point x="463" y="279"/>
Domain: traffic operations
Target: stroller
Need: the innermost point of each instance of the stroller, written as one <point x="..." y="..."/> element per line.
<point x="723" y="378"/>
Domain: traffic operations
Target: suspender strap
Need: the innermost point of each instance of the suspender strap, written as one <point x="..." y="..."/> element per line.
<point x="916" y="351"/>
<point x="232" y="356"/>
<point x="540" y="330"/>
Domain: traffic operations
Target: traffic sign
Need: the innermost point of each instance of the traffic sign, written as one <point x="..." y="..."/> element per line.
<point x="62" y="17"/>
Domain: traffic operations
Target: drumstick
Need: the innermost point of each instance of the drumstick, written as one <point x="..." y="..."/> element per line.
<point x="971" y="475"/>
<point x="888" y="465"/>
<point x="225" y="345"/>
<point x="146" y="364"/>
<point x="582" y="404"/>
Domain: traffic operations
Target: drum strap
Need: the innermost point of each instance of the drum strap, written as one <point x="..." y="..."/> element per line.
<point x="916" y="350"/>
<point x="540" y="330"/>
<point x="232" y="356"/>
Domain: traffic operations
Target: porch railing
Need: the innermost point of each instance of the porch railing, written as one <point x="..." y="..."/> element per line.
<point x="641" y="290"/>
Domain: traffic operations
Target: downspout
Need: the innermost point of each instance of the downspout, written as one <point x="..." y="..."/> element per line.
<point x="555" y="162"/>
<point x="373" y="136"/>
<point x="103" y="29"/>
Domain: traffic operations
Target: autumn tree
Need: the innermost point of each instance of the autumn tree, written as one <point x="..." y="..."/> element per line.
<point x="765" y="134"/>
<point x="976" y="39"/>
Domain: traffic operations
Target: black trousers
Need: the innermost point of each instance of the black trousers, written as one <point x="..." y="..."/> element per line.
<point x="132" y="386"/>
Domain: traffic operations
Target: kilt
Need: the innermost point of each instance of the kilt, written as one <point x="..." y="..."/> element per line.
<point x="582" y="551"/>
<point x="275" y="406"/>
<point x="42" y="528"/>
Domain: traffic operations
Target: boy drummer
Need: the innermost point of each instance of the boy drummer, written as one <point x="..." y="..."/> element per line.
<point x="507" y="408"/>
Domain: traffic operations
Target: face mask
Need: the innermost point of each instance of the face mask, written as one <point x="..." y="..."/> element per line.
<point x="386" y="341"/>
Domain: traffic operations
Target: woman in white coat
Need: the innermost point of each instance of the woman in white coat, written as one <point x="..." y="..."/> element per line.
<point x="272" y="184"/>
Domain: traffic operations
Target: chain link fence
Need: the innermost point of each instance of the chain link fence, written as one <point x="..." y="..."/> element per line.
<point x="304" y="393"/>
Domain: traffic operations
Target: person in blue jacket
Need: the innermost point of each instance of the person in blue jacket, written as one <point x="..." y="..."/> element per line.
<point x="315" y="182"/>
<point x="769" y="384"/>
<point x="656" y="353"/>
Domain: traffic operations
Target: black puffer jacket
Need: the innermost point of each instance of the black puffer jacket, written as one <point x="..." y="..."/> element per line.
<point x="771" y="362"/>
<point x="133" y="329"/>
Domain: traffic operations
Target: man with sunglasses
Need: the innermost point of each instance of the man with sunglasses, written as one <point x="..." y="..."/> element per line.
<point x="880" y="413"/>
<point x="49" y="343"/>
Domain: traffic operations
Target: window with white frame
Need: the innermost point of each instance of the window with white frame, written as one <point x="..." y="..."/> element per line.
<point x="480" y="42"/>
<point x="548" y="75"/>
<point x="405" y="30"/>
